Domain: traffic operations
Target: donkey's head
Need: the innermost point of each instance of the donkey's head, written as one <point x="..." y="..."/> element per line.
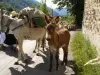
<point x="56" y="19"/>
<point x="50" y="30"/>
<point x="53" y="19"/>
<point x="51" y="27"/>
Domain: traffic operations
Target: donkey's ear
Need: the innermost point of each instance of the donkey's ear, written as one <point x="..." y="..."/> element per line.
<point x="57" y="19"/>
<point x="46" y="19"/>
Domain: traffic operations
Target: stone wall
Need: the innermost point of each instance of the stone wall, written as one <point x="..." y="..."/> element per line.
<point x="91" y="22"/>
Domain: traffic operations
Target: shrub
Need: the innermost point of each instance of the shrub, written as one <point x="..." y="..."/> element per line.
<point x="83" y="51"/>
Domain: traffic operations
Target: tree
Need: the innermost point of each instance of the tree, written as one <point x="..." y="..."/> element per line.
<point x="43" y="8"/>
<point x="35" y="6"/>
<point x="6" y="6"/>
<point x="75" y="7"/>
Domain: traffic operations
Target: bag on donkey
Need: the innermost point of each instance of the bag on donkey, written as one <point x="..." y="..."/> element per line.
<point x="39" y="21"/>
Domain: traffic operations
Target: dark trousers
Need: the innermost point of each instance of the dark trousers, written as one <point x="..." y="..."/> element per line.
<point x="10" y="39"/>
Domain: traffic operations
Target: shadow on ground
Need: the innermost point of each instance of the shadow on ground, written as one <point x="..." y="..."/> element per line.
<point x="14" y="53"/>
<point x="42" y="68"/>
<point x="10" y="52"/>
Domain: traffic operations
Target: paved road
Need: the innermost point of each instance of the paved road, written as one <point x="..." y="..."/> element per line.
<point x="38" y="65"/>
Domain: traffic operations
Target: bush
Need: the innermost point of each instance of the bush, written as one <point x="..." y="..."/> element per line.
<point x="69" y="18"/>
<point x="83" y="51"/>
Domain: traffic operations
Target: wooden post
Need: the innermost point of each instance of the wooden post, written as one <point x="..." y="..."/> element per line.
<point x="1" y="19"/>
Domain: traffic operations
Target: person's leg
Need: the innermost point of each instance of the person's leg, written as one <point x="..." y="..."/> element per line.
<point x="2" y="39"/>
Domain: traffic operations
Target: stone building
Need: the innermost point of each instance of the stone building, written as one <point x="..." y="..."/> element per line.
<point x="91" y="22"/>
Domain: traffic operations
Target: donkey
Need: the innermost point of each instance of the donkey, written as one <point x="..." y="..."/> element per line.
<point x="30" y="14"/>
<point x="57" y="38"/>
<point x="14" y="14"/>
<point x="22" y="32"/>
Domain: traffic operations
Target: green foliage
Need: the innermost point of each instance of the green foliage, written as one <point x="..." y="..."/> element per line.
<point x="69" y="18"/>
<point x="35" y="6"/>
<point x="15" y="4"/>
<point x="75" y="7"/>
<point x="68" y="3"/>
<point x="6" y="6"/>
<point x="83" y="51"/>
<point x="43" y="8"/>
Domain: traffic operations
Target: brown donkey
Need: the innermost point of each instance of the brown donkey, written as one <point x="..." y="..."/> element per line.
<point x="57" y="39"/>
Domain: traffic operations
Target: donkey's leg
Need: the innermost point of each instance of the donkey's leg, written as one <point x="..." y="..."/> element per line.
<point x="43" y="43"/>
<point x="57" y="58"/>
<point x="36" y="46"/>
<point x="39" y="43"/>
<point x="21" y="55"/>
<point x="65" y="49"/>
<point x="62" y="63"/>
<point x="51" y="58"/>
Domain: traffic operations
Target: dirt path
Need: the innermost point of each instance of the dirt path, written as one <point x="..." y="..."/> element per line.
<point x="39" y="64"/>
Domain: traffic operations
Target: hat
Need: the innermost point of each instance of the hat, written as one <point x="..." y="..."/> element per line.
<point x="13" y="13"/>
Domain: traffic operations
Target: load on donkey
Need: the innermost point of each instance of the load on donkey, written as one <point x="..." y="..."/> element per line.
<point x="35" y="17"/>
<point x="36" y="20"/>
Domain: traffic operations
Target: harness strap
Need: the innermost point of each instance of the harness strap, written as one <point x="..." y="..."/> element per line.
<point x="17" y="27"/>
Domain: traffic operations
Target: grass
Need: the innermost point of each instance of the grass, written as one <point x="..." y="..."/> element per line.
<point x="83" y="51"/>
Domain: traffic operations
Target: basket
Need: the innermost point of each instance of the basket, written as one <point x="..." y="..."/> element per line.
<point x="39" y="21"/>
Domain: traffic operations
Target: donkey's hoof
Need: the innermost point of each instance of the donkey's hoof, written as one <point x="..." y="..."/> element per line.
<point x="34" y="51"/>
<point x="62" y="63"/>
<point x="16" y="63"/>
<point x="25" y="61"/>
<point x="15" y="50"/>
<point x="38" y="54"/>
<point x="57" y="69"/>
<point x="66" y="64"/>
<point x="49" y="69"/>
